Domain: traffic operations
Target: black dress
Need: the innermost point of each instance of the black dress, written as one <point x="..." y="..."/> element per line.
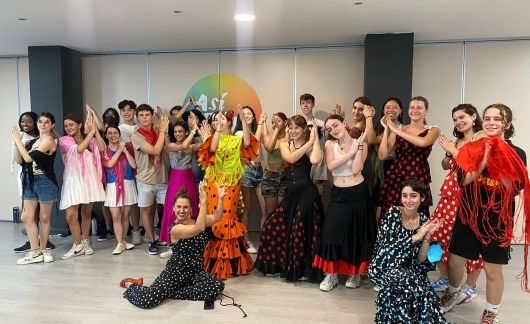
<point x="405" y="294"/>
<point x="183" y="278"/>
<point x="289" y="235"/>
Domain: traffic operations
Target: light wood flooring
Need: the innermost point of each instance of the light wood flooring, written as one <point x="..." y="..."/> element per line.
<point x="85" y="290"/>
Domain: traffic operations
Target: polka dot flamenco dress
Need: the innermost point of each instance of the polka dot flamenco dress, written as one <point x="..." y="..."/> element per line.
<point x="183" y="278"/>
<point x="405" y="294"/>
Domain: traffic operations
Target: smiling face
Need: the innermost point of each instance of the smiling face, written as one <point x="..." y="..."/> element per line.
<point x="182" y="209"/>
<point x="27" y="124"/>
<point x="494" y="124"/>
<point x="336" y="128"/>
<point x="45" y="125"/>
<point x="113" y="135"/>
<point x="248" y="116"/>
<point x="357" y="111"/>
<point x="179" y="132"/>
<point x="410" y="199"/>
<point x="71" y="127"/>
<point x="127" y="113"/>
<point x="392" y="110"/>
<point x="463" y="121"/>
<point x="295" y="132"/>
<point x="417" y="110"/>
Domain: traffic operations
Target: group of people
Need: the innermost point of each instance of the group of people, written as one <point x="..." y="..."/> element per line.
<point x="377" y="221"/>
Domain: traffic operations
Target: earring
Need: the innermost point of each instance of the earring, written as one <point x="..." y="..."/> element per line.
<point x="473" y="123"/>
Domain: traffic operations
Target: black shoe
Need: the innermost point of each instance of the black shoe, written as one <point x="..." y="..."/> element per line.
<point x="153" y="248"/>
<point x="23" y="249"/>
<point x="105" y="236"/>
<point x="50" y="246"/>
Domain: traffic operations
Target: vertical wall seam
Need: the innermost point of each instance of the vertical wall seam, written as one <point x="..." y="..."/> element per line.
<point x="463" y="85"/>
<point x="295" y="90"/>
<point x="148" y="69"/>
<point x="18" y="87"/>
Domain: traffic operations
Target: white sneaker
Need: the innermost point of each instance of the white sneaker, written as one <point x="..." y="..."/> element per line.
<point x="119" y="249"/>
<point x="48" y="257"/>
<point x="136" y="238"/>
<point x="353" y="281"/>
<point x="75" y="250"/>
<point x="88" y="249"/>
<point x="330" y="281"/>
<point x="251" y="248"/>
<point x="31" y="257"/>
<point x="167" y="254"/>
<point x="128" y="245"/>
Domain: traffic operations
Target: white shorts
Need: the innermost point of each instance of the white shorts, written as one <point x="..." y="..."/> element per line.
<point x="130" y="196"/>
<point x="147" y="193"/>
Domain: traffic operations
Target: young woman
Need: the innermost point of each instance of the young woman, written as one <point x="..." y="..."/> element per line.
<point x="412" y="144"/>
<point x="82" y="180"/>
<point x="120" y="188"/>
<point x="467" y="128"/>
<point x="184" y="276"/>
<point x="399" y="266"/>
<point x="492" y="172"/>
<point x="252" y="177"/>
<point x="224" y="156"/>
<point x="289" y="235"/>
<point x="349" y="229"/>
<point x="39" y="186"/>
<point x="181" y="145"/>
<point x="273" y="184"/>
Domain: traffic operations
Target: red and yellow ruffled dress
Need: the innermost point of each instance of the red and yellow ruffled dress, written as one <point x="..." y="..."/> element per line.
<point x="226" y="253"/>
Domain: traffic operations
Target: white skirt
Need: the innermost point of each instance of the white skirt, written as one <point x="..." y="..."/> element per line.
<point x="130" y="195"/>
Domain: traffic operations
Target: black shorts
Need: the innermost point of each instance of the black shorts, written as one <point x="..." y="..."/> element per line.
<point x="465" y="243"/>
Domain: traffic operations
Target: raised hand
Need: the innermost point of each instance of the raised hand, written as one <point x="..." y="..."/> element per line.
<point x="163" y="124"/>
<point x="263" y="118"/>
<point x="337" y="110"/>
<point x="368" y="111"/>
<point x="15" y="133"/>
<point x="192" y="122"/>
<point x="448" y="145"/>
<point x="202" y="191"/>
<point x="221" y="191"/>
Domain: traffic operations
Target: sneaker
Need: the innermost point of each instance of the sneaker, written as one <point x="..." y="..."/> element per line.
<point x="167" y="254"/>
<point x="31" y="257"/>
<point x="440" y="285"/>
<point x="251" y="248"/>
<point x="75" y="250"/>
<point x="88" y="248"/>
<point x="448" y="300"/>
<point x="471" y="293"/>
<point x="128" y="245"/>
<point x="26" y="247"/>
<point x="119" y="249"/>
<point x="136" y="238"/>
<point x="353" y="281"/>
<point x="303" y="278"/>
<point x="489" y="317"/>
<point x="153" y="248"/>
<point x="330" y="281"/>
<point x="272" y="274"/>
<point x="50" y="246"/>
<point x="105" y="236"/>
<point x="47" y="256"/>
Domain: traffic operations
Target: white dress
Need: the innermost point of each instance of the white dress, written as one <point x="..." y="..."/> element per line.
<point x="82" y="174"/>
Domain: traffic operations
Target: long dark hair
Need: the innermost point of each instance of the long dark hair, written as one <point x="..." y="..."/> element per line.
<point x="111" y="117"/>
<point x="300" y="121"/>
<point x="78" y="121"/>
<point x="470" y="110"/>
<point x="379" y="129"/>
<point x="239" y="124"/>
<point x="417" y="186"/>
<point x="180" y="123"/>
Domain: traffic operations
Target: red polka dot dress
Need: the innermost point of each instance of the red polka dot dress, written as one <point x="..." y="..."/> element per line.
<point x="447" y="210"/>
<point x="410" y="162"/>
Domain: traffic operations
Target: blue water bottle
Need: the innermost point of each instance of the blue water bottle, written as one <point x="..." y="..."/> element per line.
<point x="16" y="215"/>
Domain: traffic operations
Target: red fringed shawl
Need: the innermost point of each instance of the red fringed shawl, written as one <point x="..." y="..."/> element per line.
<point x="492" y="195"/>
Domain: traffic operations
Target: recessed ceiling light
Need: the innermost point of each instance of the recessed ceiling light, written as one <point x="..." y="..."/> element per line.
<point x="22" y="19"/>
<point x="358" y="3"/>
<point x="177" y="11"/>
<point x="244" y="17"/>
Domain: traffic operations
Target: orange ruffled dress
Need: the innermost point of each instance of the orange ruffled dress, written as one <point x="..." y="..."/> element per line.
<point x="226" y="255"/>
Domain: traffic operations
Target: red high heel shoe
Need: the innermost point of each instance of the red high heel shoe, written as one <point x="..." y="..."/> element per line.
<point x="139" y="282"/>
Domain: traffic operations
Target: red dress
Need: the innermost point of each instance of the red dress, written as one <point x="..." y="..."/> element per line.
<point x="447" y="210"/>
<point x="410" y="162"/>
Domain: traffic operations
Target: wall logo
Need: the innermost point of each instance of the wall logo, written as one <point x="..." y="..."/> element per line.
<point x="224" y="91"/>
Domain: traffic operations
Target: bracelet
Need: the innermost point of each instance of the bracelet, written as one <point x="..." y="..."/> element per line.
<point x="259" y="124"/>
<point x="448" y="155"/>
<point x="218" y="131"/>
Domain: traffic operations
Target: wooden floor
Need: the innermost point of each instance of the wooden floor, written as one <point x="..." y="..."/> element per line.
<point x="85" y="290"/>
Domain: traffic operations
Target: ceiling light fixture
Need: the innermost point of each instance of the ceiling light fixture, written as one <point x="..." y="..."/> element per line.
<point x="22" y="19"/>
<point x="177" y="11"/>
<point x="244" y="17"/>
<point x="358" y="3"/>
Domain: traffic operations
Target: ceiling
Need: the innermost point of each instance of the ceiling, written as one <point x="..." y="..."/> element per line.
<point x="151" y="25"/>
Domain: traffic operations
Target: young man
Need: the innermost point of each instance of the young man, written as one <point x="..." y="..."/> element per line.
<point x="127" y="129"/>
<point x="151" y="171"/>
<point x="319" y="173"/>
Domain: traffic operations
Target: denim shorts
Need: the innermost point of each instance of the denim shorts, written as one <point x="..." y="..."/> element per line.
<point x="273" y="184"/>
<point x="42" y="189"/>
<point x="252" y="176"/>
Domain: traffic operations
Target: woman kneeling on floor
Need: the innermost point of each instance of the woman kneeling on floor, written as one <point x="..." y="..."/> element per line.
<point x="184" y="276"/>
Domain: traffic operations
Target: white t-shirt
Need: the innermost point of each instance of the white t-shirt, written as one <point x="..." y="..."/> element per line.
<point x="126" y="132"/>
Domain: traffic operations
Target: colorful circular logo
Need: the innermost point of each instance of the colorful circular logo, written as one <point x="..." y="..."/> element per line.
<point x="224" y="91"/>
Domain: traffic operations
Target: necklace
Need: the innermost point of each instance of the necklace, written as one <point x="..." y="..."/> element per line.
<point x="344" y="145"/>
<point x="296" y="148"/>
